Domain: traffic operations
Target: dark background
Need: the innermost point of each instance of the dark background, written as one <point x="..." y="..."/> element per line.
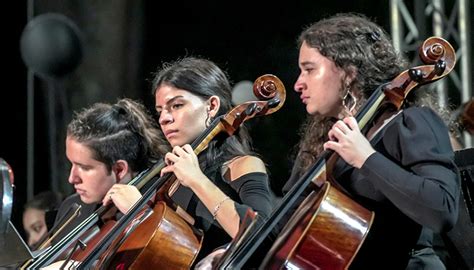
<point x="123" y="44"/>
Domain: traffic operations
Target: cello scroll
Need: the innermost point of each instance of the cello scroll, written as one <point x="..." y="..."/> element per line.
<point x="439" y="57"/>
<point x="271" y="93"/>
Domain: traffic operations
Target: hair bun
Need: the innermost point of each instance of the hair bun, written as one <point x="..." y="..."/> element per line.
<point x="119" y="109"/>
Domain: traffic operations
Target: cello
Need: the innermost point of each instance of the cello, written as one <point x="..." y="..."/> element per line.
<point x="85" y="230"/>
<point x="138" y="233"/>
<point x="329" y="227"/>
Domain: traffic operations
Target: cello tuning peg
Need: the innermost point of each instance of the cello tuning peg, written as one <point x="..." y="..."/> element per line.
<point x="250" y="109"/>
<point x="273" y="103"/>
<point x="416" y="75"/>
<point x="440" y="66"/>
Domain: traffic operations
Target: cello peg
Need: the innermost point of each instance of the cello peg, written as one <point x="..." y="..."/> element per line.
<point x="273" y="103"/>
<point x="250" y="109"/>
<point x="440" y="66"/>
<point x="416" y="75"/>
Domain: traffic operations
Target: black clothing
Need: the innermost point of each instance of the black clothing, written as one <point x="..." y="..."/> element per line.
<point x="423" y="255"/>
<point x="248" y="191"/>
<point x="409" y="182"/>
<point x="86" y="211"/>
<point x="457" y="251"/>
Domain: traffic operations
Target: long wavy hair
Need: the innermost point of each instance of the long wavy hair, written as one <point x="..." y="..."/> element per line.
<point x="352" y="42"/>
<point x="204" y="79"/>
<point x="124" y="130"/>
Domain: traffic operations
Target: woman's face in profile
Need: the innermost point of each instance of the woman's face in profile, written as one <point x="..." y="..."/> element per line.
<point x="34" y="224"/>
<point x="319" y="83"/>
<point x="90" y="177"/>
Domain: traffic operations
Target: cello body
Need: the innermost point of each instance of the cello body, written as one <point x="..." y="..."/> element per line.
<point x="325" y="232"/>
<point x="160" y="237"/>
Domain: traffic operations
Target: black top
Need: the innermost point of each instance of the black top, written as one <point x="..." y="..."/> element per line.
<point x="248" y="191"/>
<point x="86" y="211"/>
<point x="410" y="182"/>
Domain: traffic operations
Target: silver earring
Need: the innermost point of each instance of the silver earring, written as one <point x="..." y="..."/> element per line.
<point x="349" y="101"/>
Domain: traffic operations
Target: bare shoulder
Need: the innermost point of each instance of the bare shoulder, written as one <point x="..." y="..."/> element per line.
<point x="243" y="165"/>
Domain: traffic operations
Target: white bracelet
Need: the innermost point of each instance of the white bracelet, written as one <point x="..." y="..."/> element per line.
<point x="218" y="206"/>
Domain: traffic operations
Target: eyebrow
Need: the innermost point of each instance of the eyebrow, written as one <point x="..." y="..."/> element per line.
<point x="38" y="222"/>
<point x="170" y="101"/>
<point x="81" y="164"/>
<point x="307" y="63"/>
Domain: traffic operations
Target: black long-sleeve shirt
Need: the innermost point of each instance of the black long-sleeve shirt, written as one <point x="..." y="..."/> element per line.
<point x="410" y="182"/>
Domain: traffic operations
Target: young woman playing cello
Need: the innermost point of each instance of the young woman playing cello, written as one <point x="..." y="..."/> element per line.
<point x="107" y="144"/>
<point x="402" y="168"/>
<point x="227" y="179"/>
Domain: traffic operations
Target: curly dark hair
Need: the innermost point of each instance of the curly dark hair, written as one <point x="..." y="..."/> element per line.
<point x="354" y="43"/>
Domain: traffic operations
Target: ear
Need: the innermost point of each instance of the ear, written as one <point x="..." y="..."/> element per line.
<point x="121" y="170"/>
<point x="213" y="105"/>
<point x="350" y="75"/>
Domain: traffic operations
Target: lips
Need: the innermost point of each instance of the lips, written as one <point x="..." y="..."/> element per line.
<point x="171" y="132"/>
<point x="304" y="99"/>
<point x="80" y="191"/>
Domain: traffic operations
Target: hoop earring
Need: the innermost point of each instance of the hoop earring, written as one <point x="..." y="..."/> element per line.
<point x="349" y="101"/>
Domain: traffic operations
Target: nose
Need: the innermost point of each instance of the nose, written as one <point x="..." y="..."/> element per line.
<point x="73" y="176"/>
<point x="33" y="239"/>
<point x="165" y="118"/>
<point x="299" y="85"/>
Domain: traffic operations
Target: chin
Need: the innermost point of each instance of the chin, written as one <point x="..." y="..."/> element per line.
<point x="87" y="200"/>
<point x="311" y="111"/>
<point x="174" y="143"/>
